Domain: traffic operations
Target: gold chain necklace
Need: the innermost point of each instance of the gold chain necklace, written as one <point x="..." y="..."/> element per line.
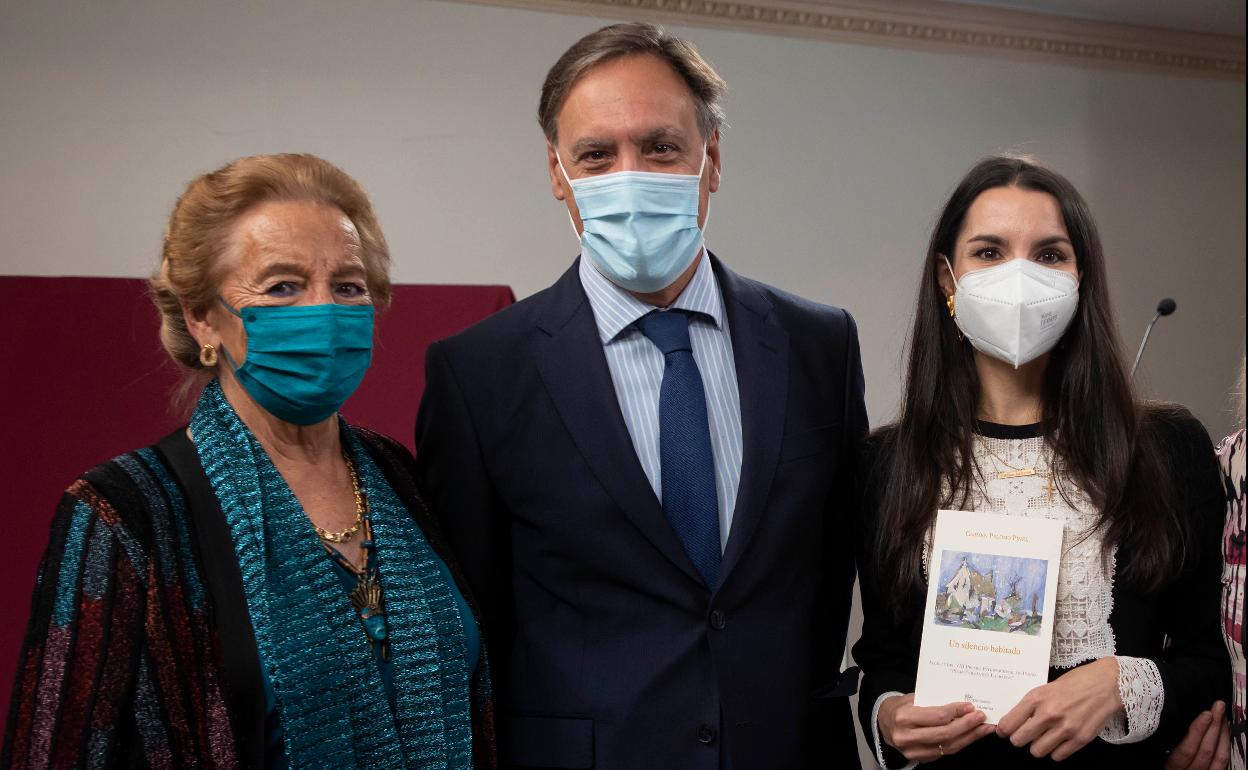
<point x="361" y="507"/>
<point x="1014" y="472"/>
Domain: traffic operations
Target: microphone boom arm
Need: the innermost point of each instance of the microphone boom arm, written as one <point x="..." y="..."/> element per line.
<point x="1140" y="353"/>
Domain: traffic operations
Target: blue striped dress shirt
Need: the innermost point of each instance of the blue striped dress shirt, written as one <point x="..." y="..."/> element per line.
<point x="637" y="372"/>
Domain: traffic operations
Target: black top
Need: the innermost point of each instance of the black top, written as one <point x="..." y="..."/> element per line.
<point x="1194" y="666"/>
<point x="1009" y="432"/>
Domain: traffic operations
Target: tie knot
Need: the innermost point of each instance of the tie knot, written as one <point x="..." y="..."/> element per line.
<point x="668" y="330"/>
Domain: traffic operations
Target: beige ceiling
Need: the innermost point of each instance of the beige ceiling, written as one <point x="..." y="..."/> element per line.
<point x="1217" y="17"/>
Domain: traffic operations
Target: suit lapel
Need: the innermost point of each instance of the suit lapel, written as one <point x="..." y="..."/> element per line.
<point x="761" y="351"/>
<point x="574" y="369"/>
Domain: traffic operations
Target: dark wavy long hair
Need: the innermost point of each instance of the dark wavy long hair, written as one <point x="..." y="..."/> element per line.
<point x="1099" y="433"/>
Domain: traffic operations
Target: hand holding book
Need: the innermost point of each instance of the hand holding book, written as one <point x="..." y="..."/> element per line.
<point x="1061" y="717"/>
<point x="927" y="733"/>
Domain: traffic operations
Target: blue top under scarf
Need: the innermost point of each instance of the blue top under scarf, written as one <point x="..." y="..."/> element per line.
<point x="274" y="740"/>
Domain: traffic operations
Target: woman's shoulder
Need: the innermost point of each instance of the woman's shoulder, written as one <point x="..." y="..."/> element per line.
<point x="123" y="492"/>
<point x="396" y="462"/>
<point x="384" y="448"/>
<point x="398" y="465"/>
<point x="1232" y="446"/>
<point x="1177" y="433"/>
<point x="1186" y="453"/>
<point x="1169" y="416"/>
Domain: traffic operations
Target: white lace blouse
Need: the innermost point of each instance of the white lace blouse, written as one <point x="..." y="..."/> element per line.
<point x="1081" y="630"/>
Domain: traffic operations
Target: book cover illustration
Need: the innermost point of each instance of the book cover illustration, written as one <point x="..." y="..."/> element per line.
<point x="990" y="592"/>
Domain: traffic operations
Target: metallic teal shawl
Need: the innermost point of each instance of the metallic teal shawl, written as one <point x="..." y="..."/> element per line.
<point x="332" y="702"/>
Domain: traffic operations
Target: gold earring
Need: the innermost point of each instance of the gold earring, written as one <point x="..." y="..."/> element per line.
<point x="208" y="356"/>
<point x="953" y="313"/>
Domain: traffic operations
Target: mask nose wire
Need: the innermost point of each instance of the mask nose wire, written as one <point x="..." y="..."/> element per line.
<point x="955" y="278"/>
<point x="568" y="179"/>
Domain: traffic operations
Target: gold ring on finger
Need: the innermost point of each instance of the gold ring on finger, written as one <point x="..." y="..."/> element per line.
<point x="941" y="749"/>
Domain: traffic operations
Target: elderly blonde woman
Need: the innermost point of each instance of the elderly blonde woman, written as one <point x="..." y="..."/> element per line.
<point x="264" y="587"/>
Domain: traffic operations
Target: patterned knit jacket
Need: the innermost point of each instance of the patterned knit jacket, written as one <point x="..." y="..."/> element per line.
<point x="140" y="651"/>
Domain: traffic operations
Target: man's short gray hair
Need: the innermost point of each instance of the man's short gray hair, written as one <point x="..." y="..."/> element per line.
<point x="633" y="39"/>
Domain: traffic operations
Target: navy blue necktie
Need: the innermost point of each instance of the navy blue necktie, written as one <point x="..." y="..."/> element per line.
<point x="688" y="467"/>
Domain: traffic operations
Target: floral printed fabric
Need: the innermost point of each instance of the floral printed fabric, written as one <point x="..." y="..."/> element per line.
<point x="1231" y="455"/>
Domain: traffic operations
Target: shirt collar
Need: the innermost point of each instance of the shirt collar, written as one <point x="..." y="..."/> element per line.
<point x="615" y="310"/>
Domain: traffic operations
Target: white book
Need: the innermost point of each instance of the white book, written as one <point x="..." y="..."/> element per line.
<point x="988" y="622"/>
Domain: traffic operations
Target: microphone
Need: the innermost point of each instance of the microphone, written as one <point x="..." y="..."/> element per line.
<point x="1165" y="307"/>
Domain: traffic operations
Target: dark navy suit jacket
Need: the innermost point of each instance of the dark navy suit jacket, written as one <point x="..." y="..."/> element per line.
<point x="609" y="652"/>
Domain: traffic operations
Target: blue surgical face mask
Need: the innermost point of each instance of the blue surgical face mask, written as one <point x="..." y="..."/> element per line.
<point x="303" y="361"/>
<point x="640" y="227"/>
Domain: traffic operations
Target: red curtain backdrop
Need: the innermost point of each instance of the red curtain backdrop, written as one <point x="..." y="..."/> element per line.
<point x="85" y="379"/>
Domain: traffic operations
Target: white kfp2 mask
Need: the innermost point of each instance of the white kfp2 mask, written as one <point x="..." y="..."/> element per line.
<point x="1016" y="311"/>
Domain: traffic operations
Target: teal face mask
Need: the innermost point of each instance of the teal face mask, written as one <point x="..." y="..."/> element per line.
<point x="304" y="361"/>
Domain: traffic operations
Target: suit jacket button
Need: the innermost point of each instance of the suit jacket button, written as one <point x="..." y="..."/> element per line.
<point x="706" y="734"/>
<point x="718" y="621"/>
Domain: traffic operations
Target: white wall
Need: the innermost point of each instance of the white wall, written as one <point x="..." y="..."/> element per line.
<point x="837" y="159"/>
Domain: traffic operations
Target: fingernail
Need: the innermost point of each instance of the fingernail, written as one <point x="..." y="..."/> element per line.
<point x="1219" y="707"/>
<point x="968" y="708"/>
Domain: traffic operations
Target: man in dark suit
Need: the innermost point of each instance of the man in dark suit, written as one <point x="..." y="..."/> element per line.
<point x="645" y="469"/>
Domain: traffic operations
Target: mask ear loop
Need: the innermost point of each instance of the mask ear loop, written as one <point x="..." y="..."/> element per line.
<point x="568" y="179"/>
<point x="951" y="275"/>
<point x="227" y="306"/>
<point x="229" y="359"/>
<point x="951" y="302"/>
<point x="563" y="170"/>
<point x="707" y="221"/>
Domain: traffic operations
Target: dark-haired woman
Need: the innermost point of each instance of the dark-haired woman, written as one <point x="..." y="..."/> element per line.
<point x="1017" y="403"/>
